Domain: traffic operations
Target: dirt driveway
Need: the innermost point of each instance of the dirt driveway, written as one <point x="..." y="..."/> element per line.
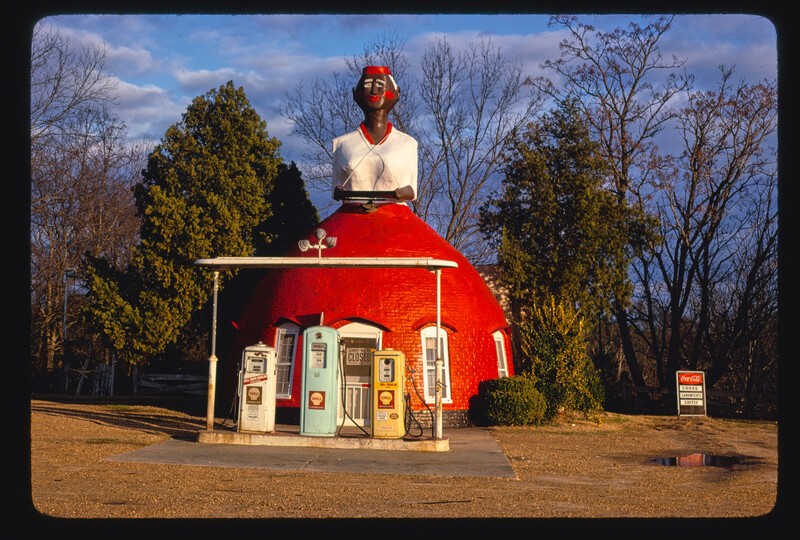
<point x="573" y="469"/>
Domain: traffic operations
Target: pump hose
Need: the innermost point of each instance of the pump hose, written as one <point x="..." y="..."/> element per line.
<point x="230" y="413"/>
<point x="416" y="391"/>
<point x="410" y="417"/>
<point x="233" y="404"/>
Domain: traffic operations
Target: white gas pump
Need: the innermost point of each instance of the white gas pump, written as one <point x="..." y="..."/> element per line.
<point x="257" y="384"/>
<point x="388" y="392"/>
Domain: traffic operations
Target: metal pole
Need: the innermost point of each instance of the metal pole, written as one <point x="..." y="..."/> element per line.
<point x="439" y="362"/>
<point x="68" y="273"/>
<point x="113" y="364"/>
<point x="64" y="327"/>
<point x="64" y="364"/>
<point x="212" y="360"/>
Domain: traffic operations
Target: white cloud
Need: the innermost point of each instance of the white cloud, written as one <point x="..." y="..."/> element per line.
<point x="747" y="42"/>
<point x="147" y="110"/>
<point x="132" y="61"/>
<point x="202" y="80"/>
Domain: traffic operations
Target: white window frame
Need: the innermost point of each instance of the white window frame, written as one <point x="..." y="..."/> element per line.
<point x="429" y="365"/>
<point x="361" y="330"/>
<point x="283" y="330"/>
<point x="500" y="348"/>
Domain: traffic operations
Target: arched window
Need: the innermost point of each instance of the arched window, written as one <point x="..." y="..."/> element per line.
<point x="428" y="335"/>
<point x="285" y="346"/>
<point x="500" y="347"/>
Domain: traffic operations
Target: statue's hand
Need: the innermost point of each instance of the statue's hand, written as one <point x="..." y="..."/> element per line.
<point x="405" y="193"/>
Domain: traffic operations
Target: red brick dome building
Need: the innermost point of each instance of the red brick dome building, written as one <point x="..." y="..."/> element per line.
<point x="382" y="308"/>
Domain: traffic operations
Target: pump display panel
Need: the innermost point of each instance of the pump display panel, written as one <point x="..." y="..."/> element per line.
<point x="316" y="359"/>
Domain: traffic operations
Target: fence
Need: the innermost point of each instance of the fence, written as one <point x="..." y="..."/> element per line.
<point x="169" y="383"/>
<point x="718" y="402"/>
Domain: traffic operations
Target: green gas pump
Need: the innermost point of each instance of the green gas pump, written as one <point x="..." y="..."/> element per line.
<point x="319" y="400"/>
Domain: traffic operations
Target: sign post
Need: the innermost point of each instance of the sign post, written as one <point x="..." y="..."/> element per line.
<point x="691" y="391"/>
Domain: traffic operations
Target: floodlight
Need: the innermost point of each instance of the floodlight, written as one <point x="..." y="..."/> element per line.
<point x="303" y="245"/>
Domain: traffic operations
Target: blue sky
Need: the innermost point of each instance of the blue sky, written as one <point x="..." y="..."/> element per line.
<point x="162" y="62"/>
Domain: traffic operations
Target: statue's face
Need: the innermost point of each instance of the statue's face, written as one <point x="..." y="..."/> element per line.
<point x="375" y="92"/>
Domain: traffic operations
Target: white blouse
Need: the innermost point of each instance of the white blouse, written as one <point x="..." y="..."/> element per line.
<point x="360" y="165"/>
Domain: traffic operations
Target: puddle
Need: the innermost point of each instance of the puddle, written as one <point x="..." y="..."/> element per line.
<point x="702" y="460"/>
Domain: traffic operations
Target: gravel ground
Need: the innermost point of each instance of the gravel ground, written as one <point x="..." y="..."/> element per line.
<point x="574" y="468"/>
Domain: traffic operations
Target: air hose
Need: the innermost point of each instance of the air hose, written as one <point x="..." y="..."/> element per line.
<point x="408" y="405"/>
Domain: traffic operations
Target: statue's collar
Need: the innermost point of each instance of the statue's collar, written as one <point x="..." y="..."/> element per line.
<point x="369" y="137"/>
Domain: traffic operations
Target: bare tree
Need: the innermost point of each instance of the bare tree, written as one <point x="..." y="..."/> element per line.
<point x="81" y="174"/>
<point x="64" y="82"/>
<point x="709" y="289"/>
<point x="476" y="100"/>
<point x="742" y="339"/>
<point x="625" y="87"/>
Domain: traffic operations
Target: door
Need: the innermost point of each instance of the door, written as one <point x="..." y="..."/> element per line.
<point x="359" y="340"/>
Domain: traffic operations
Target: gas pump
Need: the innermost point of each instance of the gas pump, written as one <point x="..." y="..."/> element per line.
<point x="319" y="398"/>
<point x="388" y="388"/>
<point x="257" y="385"/>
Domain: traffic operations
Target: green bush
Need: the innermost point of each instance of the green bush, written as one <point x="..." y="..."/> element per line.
<point x="510" y="401"/>
<point x="554" y="348"/>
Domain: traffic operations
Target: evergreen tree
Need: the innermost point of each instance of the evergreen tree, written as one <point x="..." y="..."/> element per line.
<point x="558" y="231"/>
<point x="292" y="217"/>
<point x="203" y="194"/>
<point x="293" y="214"/>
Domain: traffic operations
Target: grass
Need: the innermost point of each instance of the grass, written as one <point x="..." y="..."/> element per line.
<point x="124" y="408"/>
<point x="110" y="440"/>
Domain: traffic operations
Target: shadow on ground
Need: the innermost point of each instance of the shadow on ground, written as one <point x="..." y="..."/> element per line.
<point x="131" y="413"/>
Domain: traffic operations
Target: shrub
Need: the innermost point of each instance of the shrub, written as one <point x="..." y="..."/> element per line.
<point x="554" y="346"/>
<point x="509" y="401"/>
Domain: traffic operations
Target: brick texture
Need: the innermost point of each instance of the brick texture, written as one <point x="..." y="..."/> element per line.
<point x="399" y="301"/>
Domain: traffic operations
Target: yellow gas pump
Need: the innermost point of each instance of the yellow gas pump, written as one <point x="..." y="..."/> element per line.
<point x="388" y="389"/>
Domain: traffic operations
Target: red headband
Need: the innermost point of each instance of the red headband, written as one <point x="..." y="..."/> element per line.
<point x="376" y="70"/>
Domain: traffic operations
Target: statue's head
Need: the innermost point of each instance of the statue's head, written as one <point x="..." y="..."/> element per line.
<point x="376" y="89"/>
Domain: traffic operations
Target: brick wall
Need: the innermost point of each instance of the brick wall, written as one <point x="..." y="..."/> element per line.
<point x="400" y="301"/>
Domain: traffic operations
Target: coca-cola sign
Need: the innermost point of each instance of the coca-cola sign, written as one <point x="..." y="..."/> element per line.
<point x="691" y="393"/>
<point x="690" y="378"/>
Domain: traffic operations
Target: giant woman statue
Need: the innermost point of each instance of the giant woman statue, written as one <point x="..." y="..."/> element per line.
<point x="376" y="161"/>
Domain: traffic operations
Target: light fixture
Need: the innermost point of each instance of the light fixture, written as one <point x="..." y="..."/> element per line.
<point x="329" y="242"/>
